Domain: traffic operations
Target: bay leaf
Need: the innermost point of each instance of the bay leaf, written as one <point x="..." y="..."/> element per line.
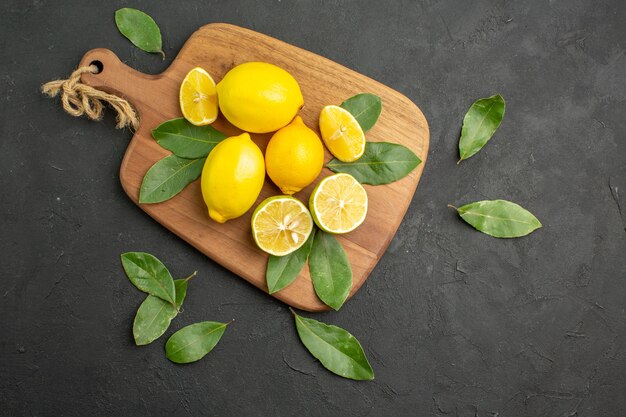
<point x="365" y="108"/>
<point x="336" y="349"/>
<point x="193" y="342"/>
<point x="152" y="320"/>
<point x="181" y="290"/>
<point x="154" y="315"/>
<point x="381" y="163"/>
<point x="330" y="270"/>
<point x="140" y="29"/>
<point x="479" y="124"/>
<point x="186" y="140"/>
<point x="149" y="274"/>
<point x="282" y="270"/>
<point x="168" y="177"/>
<point x="499" y="218"/>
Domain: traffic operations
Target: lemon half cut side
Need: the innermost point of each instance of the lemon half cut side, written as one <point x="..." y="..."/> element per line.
<point x="198" y="97"/>
<point x="338" y="204"/>
<point x="342" y="133"/>
<point x="281" y="225"/>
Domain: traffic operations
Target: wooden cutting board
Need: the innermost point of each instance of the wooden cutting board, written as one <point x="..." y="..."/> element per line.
<point x="218" y="48"/>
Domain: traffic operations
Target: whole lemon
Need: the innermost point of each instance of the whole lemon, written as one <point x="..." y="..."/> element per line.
<point x="232" y="177"/>
<point x="259" y="97"/>
<point x="294" y="157"/>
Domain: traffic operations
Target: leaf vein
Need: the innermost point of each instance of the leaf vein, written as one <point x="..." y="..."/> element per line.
<point x="198" y="339"/>
<point x="348" y="164"/>
<point x="181" y="168"/>
<point x="329" y="344"/>
<point x="496" y="217"/>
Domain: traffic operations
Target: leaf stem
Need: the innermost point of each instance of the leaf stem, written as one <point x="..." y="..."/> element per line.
<point x="162" y="54"/>
<point x="292" y="312"/>
<point x="451" y="206"/>
<point x="191" y="276"/>
<point x="230" y="322"/>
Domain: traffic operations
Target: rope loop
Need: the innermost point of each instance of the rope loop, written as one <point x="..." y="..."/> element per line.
<point x="81" y="99"/>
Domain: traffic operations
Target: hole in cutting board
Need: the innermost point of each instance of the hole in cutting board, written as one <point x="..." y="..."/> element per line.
<point x="98" y="65"/>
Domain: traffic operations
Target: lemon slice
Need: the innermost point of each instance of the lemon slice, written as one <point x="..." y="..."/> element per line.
<point x="338" y="204"/>
<point x="281" y="224"/>
<point x="198" y="97"/>
<point x="342" y="133"/>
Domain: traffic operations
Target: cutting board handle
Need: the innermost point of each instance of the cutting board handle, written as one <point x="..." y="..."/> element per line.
<point x="117" y="78"/>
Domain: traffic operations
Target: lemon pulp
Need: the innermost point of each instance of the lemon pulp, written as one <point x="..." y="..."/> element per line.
<point x="281" y="225"/>
<point x="198" y="97"/>
<point x="338" y="203"/>
<point x="342" y="133"/>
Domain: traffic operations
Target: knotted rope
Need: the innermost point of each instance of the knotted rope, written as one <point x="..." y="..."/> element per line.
<point x="79" y="99"/>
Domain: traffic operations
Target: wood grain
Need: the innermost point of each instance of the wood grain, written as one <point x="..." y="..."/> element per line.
<point x="218" y="48"/>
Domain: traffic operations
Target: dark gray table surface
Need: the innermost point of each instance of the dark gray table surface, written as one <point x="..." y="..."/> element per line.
<point x="453" y="321"/>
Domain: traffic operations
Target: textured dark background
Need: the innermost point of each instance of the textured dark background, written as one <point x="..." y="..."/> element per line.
<point x="454" y="322"/>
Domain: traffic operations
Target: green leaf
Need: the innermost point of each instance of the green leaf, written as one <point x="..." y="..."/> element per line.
<point x="282" y="270"/>
<point x="365" y="108"/>
<point x="152" y="320"/>
<point x="168" y="177"/>
<point x="381" y="163"/>
<point x="339" y="351"/>
<point x="191" y="343"/>
<point x="330" y="270"/>
<point x="140" y="29"/>
<point x="181" y="291"/>
<point x="479" y="124"/>
<point x="185" y="139"/>
<point x="499" y="218"/>
<point x="155" y="315"/>
<point x="149" y="274"/>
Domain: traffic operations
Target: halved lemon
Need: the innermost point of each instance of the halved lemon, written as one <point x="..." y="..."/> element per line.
<point x="281" y="224"/>
<point x="338" y="204"/>
<point x="198" y="97"/>
<point x="342" y="133"/>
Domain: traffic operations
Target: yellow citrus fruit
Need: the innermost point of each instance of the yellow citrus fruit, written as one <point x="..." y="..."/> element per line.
<point x="259" y="97"/>
<point x="232" y="177"/>
<point x="281" y="224"/>
<point x="198" y="97"/>
<point x="342" y="133"/>
<point x="338" y="204"/>
<point x="294" y="157"/>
